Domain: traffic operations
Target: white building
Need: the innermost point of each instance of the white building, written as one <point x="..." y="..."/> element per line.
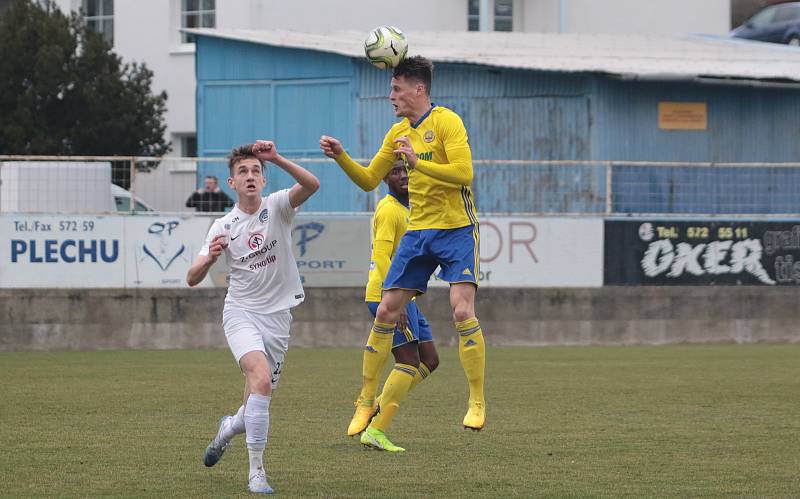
<point x="149" y="31"/>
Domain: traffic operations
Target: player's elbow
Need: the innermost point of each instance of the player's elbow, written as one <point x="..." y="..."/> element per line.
<point x="466" y="175"/>
<point x="367" y="187"/>
<point x="191" y="278"/>
<point x="313" y="184"/>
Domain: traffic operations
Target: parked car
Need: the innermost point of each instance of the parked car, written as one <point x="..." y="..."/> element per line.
<point x="122" y="200"/>
<point x="777" y="24"/>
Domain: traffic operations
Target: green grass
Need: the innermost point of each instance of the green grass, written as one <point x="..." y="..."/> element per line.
<point x="683" y="421"/>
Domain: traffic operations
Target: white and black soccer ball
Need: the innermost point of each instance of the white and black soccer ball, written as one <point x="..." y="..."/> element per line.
<point x="385" y="47"/>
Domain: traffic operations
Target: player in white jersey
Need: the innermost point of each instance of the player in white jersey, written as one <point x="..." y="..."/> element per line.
<point x="255" y="237"/>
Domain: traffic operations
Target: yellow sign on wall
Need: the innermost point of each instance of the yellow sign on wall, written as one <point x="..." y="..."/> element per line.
<point x="682" y="116"/>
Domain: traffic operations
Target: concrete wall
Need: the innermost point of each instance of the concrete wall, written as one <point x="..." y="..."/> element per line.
<point x="163" y="319"/>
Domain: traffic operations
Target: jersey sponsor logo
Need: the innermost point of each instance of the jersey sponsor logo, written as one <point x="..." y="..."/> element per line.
<point x="263" y="263"/>
<point x="429" y="136"/>
<point x="264" y="249"/>
<point x="263" y="216"/>
<point x="425" y="156"/>
<point x="255" y="241"/>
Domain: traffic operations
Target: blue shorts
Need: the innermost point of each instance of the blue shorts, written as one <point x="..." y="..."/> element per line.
<point x="418" y="328"/>
<point x="421" y="251"/>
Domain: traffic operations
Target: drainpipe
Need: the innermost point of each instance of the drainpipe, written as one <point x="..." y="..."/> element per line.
<point x="562" y="15"/>
<point x="483" y="16"/>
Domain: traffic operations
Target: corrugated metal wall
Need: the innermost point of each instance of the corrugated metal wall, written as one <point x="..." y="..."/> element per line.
<point x="294" y="96"/>
<point x="247" y="91"/>
<point x="508" y="114"/>
<point x="745" y="124"/>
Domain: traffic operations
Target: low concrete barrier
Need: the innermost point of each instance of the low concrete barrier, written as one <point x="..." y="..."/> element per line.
<point x="99" y="319"/>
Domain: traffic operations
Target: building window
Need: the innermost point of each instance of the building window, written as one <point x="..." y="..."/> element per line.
<point x="99" y="16"/>
<point x="503" y="14"/>
<point x="189" y="146"/>
<point x="474" y="15"/>
<point x="197" y="14"/>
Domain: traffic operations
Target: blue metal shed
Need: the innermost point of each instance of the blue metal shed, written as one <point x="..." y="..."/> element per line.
<point x="294" y="87"/>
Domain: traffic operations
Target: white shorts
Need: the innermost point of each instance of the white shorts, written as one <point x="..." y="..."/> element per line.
<point x="250" y="331"/>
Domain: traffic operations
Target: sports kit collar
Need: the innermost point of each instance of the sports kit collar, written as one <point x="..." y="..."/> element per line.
<point x="422" y="118"/>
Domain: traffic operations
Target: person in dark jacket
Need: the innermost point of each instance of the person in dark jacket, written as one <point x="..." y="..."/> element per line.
<point x="210" y="198"/>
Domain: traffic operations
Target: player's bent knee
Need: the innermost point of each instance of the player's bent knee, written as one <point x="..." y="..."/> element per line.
<point x="431" y="362"/>
<point x="407" y="354"/>
<point x="387" y="314"/>
<point x="259" y="382"/>
<point x="460" y="314"/>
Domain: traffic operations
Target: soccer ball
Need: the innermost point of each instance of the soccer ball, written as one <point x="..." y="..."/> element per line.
<point x="385" y="47"/>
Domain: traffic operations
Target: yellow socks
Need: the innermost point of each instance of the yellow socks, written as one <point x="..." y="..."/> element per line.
<point x="378" y="349"/>
<point x="394" y="391"/>
<point x="472" y="352"/>
<point x="422" y="373"/>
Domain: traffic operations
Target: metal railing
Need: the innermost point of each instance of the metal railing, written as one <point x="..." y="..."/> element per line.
<point x="501" y="187"/>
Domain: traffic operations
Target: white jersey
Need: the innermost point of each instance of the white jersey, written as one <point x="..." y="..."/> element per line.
<point x="264" y="276"/>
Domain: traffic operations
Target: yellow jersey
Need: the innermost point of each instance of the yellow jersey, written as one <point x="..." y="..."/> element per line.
<point x="439" y="188"/>
<point x="388" y="225"/>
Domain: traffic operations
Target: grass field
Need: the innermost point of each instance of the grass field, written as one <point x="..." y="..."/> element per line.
<point x="699" y="421"/>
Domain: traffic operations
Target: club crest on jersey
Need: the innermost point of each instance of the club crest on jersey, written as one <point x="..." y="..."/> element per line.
<point x="429" y="136"/>
<point x="263" y="216"/>
<point x="255" y="241"/>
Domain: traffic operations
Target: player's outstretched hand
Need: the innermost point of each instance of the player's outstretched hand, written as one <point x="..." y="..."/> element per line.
<point x="265" y="150"/>
<point x="217" y="246"/>
<point x="330" y="146"/>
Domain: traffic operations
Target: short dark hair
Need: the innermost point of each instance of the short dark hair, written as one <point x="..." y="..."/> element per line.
<point x="239" y="153"/>
<point x="416" y="68"/>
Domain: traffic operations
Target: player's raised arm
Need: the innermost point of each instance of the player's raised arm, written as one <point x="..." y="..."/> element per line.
<point x="307" y="184"/>
<point x="202" y="264"/>
<point x="366" y="178"/>
<point x="457" y="171"/>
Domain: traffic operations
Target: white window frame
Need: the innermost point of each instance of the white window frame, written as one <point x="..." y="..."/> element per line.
<point x="99" y="19"/>
<point x="183" y="14"/>
<point x="509" y="17"/>
<point x="476" y="18"/>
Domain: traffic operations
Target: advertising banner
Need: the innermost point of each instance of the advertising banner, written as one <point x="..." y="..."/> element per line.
<point x="144" y="251"/>
<point x="68" y="251"/>
<point x="332" y="251"/>
<point x="159" y="250"/>
<point x="663" y="252"/>
<point x="537" y="252"/>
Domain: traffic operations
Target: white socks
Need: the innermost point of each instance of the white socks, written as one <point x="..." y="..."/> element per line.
<point x="256" y="423"/>
<point x="236" y="425"/>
